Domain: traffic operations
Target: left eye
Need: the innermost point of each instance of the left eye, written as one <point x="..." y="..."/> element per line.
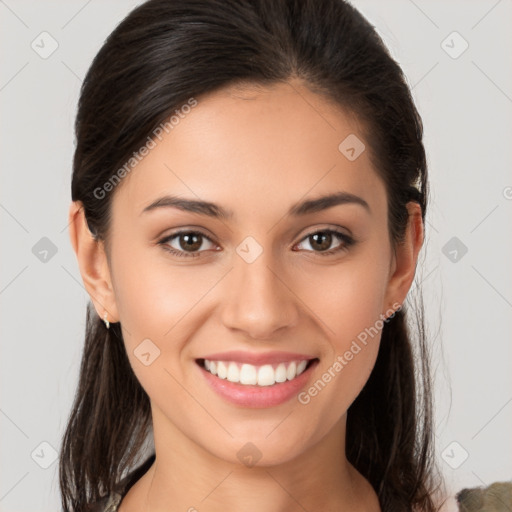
<point x="324" y="238"/>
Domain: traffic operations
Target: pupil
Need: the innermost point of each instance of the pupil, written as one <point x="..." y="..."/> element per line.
<point x="327" y="238"/>
<point x="188" y="239"/>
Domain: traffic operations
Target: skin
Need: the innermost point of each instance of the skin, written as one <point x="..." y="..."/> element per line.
<point x="255" y="151"/>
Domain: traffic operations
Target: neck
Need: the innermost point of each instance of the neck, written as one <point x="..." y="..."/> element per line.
<point x="187" y="477"/>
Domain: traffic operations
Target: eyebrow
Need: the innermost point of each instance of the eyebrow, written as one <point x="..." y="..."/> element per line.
<point x="216" y="211"/>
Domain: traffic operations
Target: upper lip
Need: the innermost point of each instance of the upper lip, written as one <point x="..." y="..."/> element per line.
<point x="258" y="359"/>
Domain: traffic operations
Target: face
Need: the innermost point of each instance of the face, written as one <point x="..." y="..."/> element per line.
<point x="262" y="288"/>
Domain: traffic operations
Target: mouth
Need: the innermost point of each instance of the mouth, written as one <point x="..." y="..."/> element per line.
<point x="257" y="385"/>
<point x="253" y="375"/>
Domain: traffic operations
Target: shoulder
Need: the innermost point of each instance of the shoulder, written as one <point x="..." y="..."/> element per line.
<point x="492" y="498"/>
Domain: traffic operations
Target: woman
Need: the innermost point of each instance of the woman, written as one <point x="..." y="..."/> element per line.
<point x="249" y="194"/>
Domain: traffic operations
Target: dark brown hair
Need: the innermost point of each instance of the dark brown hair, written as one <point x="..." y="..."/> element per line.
<point x="162" y="54"/>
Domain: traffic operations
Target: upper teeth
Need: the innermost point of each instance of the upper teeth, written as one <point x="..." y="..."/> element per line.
<point x="249" y="374"/>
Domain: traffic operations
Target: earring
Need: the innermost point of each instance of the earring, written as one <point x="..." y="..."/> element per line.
<point x="107" y="323"/>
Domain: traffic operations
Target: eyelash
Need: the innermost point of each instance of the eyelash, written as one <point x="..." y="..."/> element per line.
<point x="346" y="240"/>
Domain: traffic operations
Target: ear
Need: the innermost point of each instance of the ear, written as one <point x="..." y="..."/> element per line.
<point x="403" y="267"/>
<point x="93" y="263"/>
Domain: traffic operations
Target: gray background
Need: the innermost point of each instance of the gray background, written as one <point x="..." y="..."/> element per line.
<point x="466" y="104"/>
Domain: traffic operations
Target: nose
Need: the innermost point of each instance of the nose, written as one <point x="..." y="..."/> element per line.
<point x="258" y="300"/>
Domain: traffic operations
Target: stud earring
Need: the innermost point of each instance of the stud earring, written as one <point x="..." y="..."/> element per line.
<point x="107" y="323"/>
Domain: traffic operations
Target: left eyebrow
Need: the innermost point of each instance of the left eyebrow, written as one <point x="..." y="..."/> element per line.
<point x="216" y="211"/>
<point x="324" y="202"/>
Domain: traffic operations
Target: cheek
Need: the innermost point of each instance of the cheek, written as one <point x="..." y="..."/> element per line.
<point x="155" y="298"/>
<point x="348" y="298"/>
<point x="348" y="301"/>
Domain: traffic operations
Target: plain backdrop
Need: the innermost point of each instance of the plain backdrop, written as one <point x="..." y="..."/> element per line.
<point x="456" y="55"/>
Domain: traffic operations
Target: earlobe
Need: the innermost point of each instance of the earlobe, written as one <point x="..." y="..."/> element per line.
<point x="406" y="257"/>
<point x="92" y="262"/>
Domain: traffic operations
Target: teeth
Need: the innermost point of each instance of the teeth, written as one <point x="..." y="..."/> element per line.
<point x="291" y="371"/>
<point x="301" y="367"/>
<point x="266" y="375"/>
<point x="249" y="374"/>
<point x="222" y="370"/>
<point x="233" y="372"/>
<point x="280" y="373"/>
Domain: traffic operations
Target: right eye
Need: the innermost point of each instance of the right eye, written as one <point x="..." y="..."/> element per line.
<point x="190" y="242"/>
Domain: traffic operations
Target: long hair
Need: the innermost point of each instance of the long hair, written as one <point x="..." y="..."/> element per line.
<point x="161" y="55"/>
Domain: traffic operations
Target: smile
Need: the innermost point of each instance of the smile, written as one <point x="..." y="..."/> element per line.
<point x="256" y="381"/>
<point x="248" y="374"/>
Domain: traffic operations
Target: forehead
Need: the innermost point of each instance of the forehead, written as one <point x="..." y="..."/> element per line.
<point x="251" y="148"/>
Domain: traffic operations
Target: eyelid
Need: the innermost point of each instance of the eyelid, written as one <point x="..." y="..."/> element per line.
<point x="328" y="227"/>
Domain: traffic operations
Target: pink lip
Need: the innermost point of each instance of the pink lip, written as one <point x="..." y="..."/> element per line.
<point x="258" y="359"/>
<point x="258" y="396"/>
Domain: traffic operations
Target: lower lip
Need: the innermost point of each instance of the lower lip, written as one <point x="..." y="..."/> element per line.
<point x="258" y="396"/>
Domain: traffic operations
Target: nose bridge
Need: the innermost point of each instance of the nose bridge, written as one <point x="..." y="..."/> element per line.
<point x="257" y="302"/>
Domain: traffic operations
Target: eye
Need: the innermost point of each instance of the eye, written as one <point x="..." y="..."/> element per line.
<point x="323" y="239"/>
<point x="188" y="243"/>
